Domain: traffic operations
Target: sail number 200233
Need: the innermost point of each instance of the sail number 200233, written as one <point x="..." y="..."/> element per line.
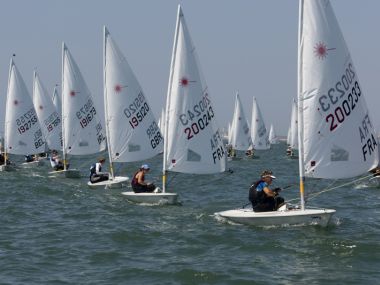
<point x="345" y="109"/>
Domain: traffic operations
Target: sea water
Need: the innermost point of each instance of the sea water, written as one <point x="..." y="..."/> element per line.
<point x="58" y="231"/>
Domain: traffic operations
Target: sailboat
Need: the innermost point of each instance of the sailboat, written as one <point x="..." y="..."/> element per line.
<point x="336" y="135"/>
<point x="192" y="140"/>
<point x="259" y="134"/>
<point x="161" y="121"/>
<point x="293" y="137"/>
<point x="240" y="135"/>
<point x="132" y="131"/>
<point x="82" y="131"/>
<point x="47" y="114"/>
<point x="23" y="133"/>
<point x="272" y="136"/>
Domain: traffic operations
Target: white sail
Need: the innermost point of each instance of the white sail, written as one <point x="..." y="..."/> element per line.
<point x="57" y="100"/>
<point x="161" y="121"/>
<point x="337" y="135"/>
<point x="132" y="129"/>
<point x="23" y="133"/>
<point x="82" y="129"/>
<point x="293" y="141"/>
<point x="289" y="135"/>
<point x="193" y="142"/>
<point x="47" y="114"/>
<point x="272" y="135"/>
<point x="240" y="135"/>
<point x="259" y="132"/>
<point x="229" y="133"/>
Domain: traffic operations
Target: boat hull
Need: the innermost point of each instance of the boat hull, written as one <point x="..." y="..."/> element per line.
<point x="116" y="183"/>
<point x="151" y="198"/>
<point x="277" y="218"/>
<point x="68" y="173"/>
<point x="33" y="164"/>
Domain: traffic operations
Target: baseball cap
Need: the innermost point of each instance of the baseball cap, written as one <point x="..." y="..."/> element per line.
<point x="267" y="173"/>
<point x="145" y="166"/>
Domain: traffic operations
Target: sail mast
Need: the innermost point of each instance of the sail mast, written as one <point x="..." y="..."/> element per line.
<point x="166" y="131"/>
<point x="300" y="109"/>
<point x="63" y="108"/>
<point x="105" y="33"/>
<point x="5" y="119"/>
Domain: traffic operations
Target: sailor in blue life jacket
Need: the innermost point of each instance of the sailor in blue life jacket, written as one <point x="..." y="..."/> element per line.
<point x="96" y="174"/>
<point x="264" y="199"/>
<point x="138" y="181"/>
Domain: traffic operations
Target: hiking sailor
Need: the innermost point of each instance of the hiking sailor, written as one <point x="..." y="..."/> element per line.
<point x="264" y="199"/>
<point x="96" y="174"/>
<point x="138" y="181"/>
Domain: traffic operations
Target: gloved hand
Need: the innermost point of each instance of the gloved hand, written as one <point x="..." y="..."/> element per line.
<point x="276" y="190"/>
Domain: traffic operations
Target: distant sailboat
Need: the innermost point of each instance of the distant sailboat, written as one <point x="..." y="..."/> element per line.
<point x="132" y="131"/>
<point x="161" y="121"/>
<point x="82" y="131"/>
<point x="192" y="141"/>
<point x="336" y="135"/>
<point x="273" y="139"/>
<point x="23" y="133"/>
<point x="293" y="137"/>
<point x="259" y="132"/>
<point x="47" y="114"/>
<point x="240" y="135"/>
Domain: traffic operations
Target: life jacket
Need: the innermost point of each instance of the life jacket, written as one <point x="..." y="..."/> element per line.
<point x="93" y="169"/>
<point x="254" y="195"/>
<point x="134" y="179"/>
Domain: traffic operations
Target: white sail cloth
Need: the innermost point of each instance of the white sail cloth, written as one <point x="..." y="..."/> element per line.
<point x="193" y="142"/>
<point x="337" y="134"/>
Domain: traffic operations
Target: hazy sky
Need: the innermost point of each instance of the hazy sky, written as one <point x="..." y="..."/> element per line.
<point x="244" y="45"/>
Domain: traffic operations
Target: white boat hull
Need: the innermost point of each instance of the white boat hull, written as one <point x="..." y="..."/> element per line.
<point x="33" y="164"/>
<point x="115" y="183"/>
<point x="151" y="198"/>
<point x="277" y="218"/>
<point x="68" y="173"/>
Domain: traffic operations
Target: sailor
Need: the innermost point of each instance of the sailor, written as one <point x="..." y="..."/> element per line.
<point x="138" y="181"/>
<point x="263" y="198"/>
<point x="55" y="162"/>
<point x="96" y="174"/>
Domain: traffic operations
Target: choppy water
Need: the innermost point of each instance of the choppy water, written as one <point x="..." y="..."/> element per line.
<point x="57" y="231"/>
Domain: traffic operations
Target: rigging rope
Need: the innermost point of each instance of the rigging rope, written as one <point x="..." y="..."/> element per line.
<point x="312" y="196"/>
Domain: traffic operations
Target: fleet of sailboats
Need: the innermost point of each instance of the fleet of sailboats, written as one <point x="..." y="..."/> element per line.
<point x="332" y="134"/>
